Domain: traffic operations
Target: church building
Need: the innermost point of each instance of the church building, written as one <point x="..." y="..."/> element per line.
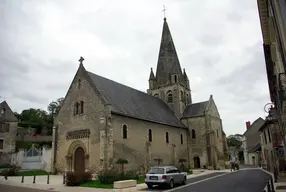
<point x="102" y="121"/>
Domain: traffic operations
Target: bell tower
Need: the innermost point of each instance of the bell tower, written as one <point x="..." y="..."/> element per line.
<point x="170" y="83"/>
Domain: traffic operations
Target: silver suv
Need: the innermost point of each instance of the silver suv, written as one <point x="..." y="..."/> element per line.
<point x="165" y="175"/>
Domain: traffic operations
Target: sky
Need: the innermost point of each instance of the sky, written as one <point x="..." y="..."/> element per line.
<point x="219" y="43"/>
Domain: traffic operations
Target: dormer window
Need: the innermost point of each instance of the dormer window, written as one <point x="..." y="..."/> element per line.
<point x="174" y="78"/>
<point x="156" y="95"/>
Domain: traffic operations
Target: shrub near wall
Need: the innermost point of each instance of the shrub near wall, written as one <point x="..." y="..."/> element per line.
<point x="75" y="179"/>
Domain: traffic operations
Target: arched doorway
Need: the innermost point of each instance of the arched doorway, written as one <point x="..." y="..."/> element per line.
<point x="197" y="163"/>
<point x="79" y="164"/>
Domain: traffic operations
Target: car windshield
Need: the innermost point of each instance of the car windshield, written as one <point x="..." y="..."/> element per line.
<point x="156" y="171"/>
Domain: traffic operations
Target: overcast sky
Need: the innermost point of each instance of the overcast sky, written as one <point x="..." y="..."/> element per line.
<point x="219" y="42"/>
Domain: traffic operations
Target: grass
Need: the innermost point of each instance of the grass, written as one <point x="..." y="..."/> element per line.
<point x="98" y="184"/>
<point x="32" y="173"/>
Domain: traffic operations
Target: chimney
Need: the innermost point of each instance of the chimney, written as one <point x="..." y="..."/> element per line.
<point x="247" y="124"/>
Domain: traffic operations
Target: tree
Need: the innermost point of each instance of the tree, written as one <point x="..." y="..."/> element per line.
<point x="55" y="106"/>
<point x="122" y="162"/>
<point x="233" y="142"/>
<point x="182" y="161"/>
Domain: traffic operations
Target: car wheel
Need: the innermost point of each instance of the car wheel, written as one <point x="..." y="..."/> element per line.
<point x="171" y="184"/>
<point x="185" y="181"/>
<point x="149" y="186"/>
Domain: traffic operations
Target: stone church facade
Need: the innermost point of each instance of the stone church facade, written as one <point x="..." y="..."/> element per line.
<point x="102" y="121"/>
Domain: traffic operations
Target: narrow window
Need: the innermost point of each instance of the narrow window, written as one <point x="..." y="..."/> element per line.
<point x="124" y="132"/>
<point x="79" y="83"/>
<point x="265" y="138"/>
<point x="217" y="134"/>
<point x="7" y="127"/>
<point x="193" y="134"/>
<point x="182" y="96"/>
<point x="169" y="97"/>
<point x="167" y="137"/>
<point x="182" y="140"/>
<point x="1" y="143"/>
<point x="81" y="107"/>
<point x="3" y="111"/>
<point x="269" y="135"/>
<point x="150" y="135"/>
<point x="176" y="79"/>
<point x="76" y="106"/>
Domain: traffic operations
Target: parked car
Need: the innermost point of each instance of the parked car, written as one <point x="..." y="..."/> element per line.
<point x="165" y="176"/>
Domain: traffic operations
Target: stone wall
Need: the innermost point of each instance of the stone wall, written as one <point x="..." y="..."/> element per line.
<point x="66" y="121"/>
<point x="139" y="151"/>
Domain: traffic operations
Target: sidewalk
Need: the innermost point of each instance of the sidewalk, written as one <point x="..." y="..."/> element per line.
<point x="56" y="183"/>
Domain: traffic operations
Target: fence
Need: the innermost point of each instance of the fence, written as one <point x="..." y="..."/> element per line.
<point x="34" y="158"/>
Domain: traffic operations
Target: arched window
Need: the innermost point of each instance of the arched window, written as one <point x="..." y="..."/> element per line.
<point x="150" y="135"/>
<point x="193" y="134"/>
<point x="79" y="83"/>
<point x="156" y="95"/>
<point x="182" y="140"/>
<point x="182" y="96"/>
<point x="167" y="137"/>
<point x="124" y="132"/>
<point x="76" y="106"/>
<point x="175" y="78"/>
<point x="169" y="97"/>
<point x="81" y="107"/>
<point x="187" y="98"/>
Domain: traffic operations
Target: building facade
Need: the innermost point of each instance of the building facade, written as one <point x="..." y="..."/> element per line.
<point x="8" y="131"/>
<point x="102" y="121"/>
<point x="272" y="15"/>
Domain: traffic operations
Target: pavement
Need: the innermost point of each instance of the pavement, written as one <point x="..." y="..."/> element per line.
<point x="244" y="180"/>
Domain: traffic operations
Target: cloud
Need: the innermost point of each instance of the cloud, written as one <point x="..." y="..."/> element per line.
<point x="218" y="42"/>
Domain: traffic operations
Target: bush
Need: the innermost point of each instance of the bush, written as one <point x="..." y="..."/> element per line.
<point x="6" y="165"/>
<point x="109" y="176"/>
<point x="75" y="179"/>
<point x="13" y="171"/>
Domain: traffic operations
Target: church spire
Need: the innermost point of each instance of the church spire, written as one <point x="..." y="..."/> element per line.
<point x="168" y="67"/>
<point x="152" y="76"/>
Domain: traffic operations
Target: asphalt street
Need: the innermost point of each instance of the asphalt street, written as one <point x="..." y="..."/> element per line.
<point x="251" y="180"/>
<point x="7" y="188"/>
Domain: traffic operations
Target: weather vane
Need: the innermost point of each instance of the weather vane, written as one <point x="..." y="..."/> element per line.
<point x="164" y="10"/>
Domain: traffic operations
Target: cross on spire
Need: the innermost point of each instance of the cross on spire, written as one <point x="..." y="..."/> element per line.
<point x="164" y="10"/>
<point x="81" y="60"/>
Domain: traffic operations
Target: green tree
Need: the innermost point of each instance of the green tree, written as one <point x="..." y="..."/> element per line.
<point x="122" y="162"/>
<point x="55" y="106"/>
<point x="234" y="142"/>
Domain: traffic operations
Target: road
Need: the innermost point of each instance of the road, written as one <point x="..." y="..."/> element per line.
<point x="251" y="180"/>
<point x="7" y="188"/>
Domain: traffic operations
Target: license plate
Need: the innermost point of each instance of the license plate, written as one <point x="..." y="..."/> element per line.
<point x="153" y="178"/>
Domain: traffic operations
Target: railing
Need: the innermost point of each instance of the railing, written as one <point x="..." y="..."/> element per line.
<point x="270" y="185"/>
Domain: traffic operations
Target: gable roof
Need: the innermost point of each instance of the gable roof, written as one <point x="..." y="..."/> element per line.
<point x="195" y="109"/>
<point x="8" y="114"/>
<point x="252" y="134"/>
<point x="132" y="103"/>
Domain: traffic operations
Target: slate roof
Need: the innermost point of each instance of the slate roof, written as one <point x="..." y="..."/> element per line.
<point x="8" y="115"/>
<point x="130" y="102"/>
<point x="195" y="109"/>
<point x="252" y="134"/>
<point x="168" y="60"/>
